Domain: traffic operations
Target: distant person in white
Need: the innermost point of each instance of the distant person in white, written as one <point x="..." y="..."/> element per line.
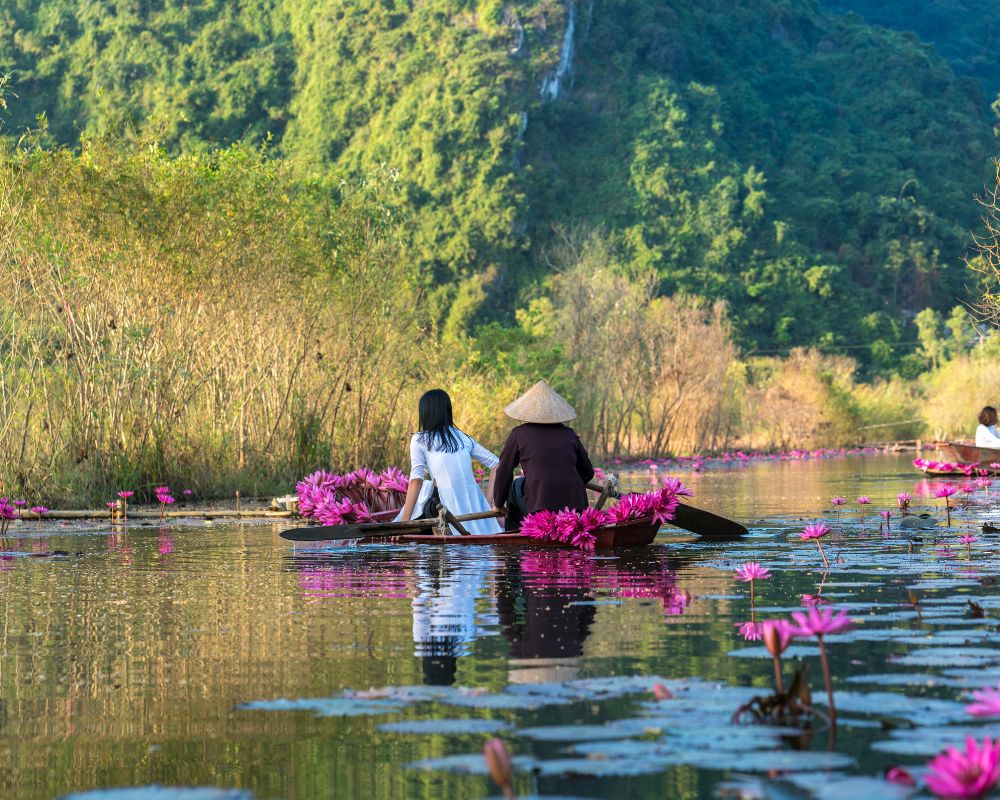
<point x="446" y="453"/>
<point x="987" y="434"/>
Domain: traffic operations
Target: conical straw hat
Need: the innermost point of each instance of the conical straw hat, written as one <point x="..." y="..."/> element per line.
<point x="542" y="404"/>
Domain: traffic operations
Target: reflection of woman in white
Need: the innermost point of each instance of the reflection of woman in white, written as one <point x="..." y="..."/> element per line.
<point x="445" y="620"/>
<point x="446" y="453"/>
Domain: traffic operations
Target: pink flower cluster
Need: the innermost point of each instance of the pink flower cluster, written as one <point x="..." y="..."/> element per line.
<point x="944" y="466"/>
<point x="577" y="527"/>
<point x="566" y="526"/>
<point x="7" y="513"/>
<point x="163" y="496"/>
<point x="367" y="490"/>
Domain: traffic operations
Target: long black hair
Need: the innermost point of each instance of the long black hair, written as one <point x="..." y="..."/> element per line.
<point x="437" y="429"/>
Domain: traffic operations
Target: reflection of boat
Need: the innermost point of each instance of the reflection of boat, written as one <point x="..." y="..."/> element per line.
<point x="635" y="533"/>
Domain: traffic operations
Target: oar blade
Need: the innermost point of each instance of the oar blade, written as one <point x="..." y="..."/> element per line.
<point x="706" y="524"/>
<point x="322" y="533"/>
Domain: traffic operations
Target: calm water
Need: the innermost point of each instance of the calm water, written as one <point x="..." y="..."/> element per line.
<point x="126" y="663"/>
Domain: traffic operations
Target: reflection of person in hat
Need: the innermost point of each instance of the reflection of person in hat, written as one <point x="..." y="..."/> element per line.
<point x="546" y="621"/>
<point x="554" y="461"/>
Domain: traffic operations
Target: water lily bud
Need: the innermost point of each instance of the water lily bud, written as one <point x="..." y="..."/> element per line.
<point x="499" y="765"/>
<point x="661" y="692"/>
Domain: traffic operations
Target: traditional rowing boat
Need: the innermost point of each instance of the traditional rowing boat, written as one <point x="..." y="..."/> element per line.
<point x="959" y="455"/>
<point x="636" y="533"/>
<point x="970" y="454"/>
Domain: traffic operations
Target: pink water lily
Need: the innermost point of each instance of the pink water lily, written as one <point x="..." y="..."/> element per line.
<point x="39" y="510"/>
<point x="751" y="631"/>
<point x="816" y="532"/>
<point x="972" y="773"/>
<point x="987" y="703"/>
<point x="752" y="571"/>
<point x="944" y="493"/>
<point x="661" y="692"/>
<point x="777" y="635"/>
<point x="900" y="776"/>
<point x="903" y="499"/>
<point x="819" y="622"/>
<point x="500" y="766"/>
<point x="864" y="500"/>
<point x="837" y="501"/>
<point x="125" y="495"/>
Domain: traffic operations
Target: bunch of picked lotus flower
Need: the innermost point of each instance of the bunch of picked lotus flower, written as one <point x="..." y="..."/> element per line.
<point x="946" y="466"/>
<point x="340" y="499"/>
<point x="577" y="527"/>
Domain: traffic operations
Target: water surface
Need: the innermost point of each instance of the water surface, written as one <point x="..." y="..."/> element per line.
<point x="218" y="656"/>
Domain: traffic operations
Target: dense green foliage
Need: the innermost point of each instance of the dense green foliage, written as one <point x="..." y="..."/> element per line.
<point x="814" y="172"/>
<point x="963" y="31"/>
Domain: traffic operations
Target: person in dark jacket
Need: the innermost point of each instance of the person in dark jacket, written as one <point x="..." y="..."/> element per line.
<point x="554" y="461"/>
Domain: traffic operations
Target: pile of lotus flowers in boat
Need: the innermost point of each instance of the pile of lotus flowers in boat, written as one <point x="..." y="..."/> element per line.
<point x="947" y="466"/>
<point x="577" y="527"/>
<point x="343" y="499"/>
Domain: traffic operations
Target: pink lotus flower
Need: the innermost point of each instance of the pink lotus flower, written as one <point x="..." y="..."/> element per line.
<point x="837" y="501"/>
<point x="987" y="703"/>
<point x="995" y="465"/>
<point x="946" y="491"/>
<point x="39" y="510"/>
<point x="777" y="635"/>
<point x="864" y="500"/>
<point x="815" y="531"/>
<point x="112" y="504"/>
<point x="661" y="692"/>
<point x="819" y="622"/>
<point x="540" y="525"/>
<point x="752" y="571"/>
<point x="499" y="765"/>
<point x="900" y="777"/>
<point x="984" y="483"/>
<point x="750" y="631"/>
<point x="166" y="499"/>
<point x="968" y="539"/>
<point x="124" y="495"/>
<point x="813" y="600"/>
<point x="970" y="774"/>
<point x="20" y="503"/>
<point x="187" y="492"/>
<point x="903" y="499"/>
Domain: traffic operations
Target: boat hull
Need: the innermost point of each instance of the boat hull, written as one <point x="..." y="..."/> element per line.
<point x="970" y="454"/>
<point x="630" y="534"/>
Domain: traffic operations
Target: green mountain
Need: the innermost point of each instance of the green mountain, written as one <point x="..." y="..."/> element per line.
<point x="814" y="171"/>
<point x="964" y="32"/>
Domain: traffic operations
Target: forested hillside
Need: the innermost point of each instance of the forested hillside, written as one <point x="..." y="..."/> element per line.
<point x="963" y="31"/>
<point x="813" y="171"/>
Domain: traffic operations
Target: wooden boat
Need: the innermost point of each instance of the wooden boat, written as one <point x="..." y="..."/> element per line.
<point x="636" y="533"/>
<point x="962" y="453"/>
<point x="970" y="454"/>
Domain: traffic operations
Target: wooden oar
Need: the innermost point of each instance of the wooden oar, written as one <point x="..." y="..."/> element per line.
<point x="691" y="519"/>
<point x="364" y="530"/>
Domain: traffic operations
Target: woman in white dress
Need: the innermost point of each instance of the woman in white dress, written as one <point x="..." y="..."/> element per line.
<point x="986" y="433"/>
<point x="442" y="450"/>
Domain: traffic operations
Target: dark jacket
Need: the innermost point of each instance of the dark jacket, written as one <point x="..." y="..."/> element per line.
<point x="555" y="463"/>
